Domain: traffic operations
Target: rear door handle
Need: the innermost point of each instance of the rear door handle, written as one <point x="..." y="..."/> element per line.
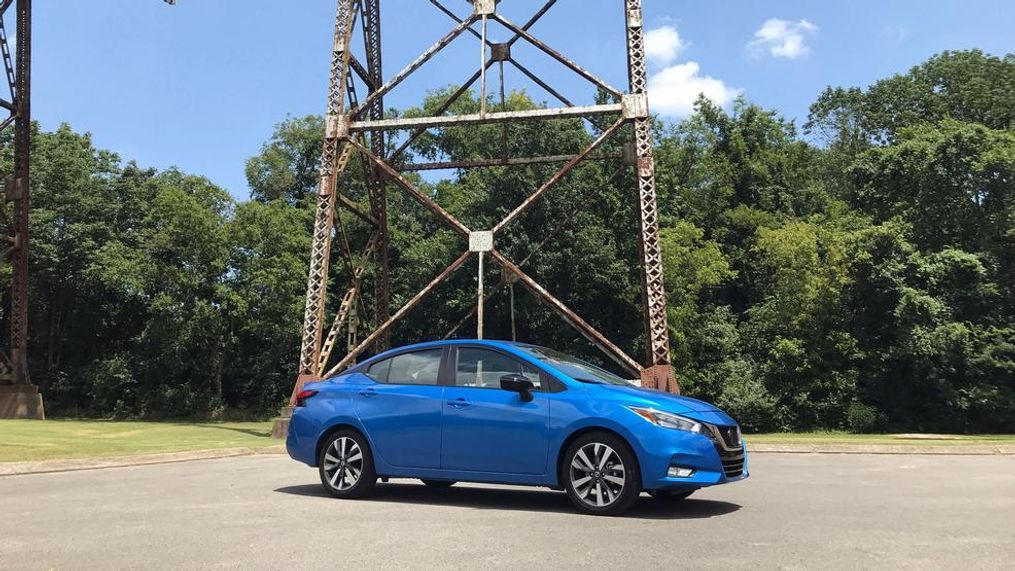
<point x="368" y="393"/>
<point x="459" y="403"/>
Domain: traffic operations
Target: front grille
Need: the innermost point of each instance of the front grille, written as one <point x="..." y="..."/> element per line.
<point x="730" y="435"/>
<point x="728" y="444"/>
<point x="732" y="463"/>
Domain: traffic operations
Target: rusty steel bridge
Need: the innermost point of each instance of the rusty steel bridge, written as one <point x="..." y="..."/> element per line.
<point x="358" y="130"/>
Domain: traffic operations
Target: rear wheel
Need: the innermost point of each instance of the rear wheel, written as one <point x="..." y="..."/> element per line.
<point x="671" y="495"/>
<point x="439" y="484"/>
<point x="346" y="465"/>
<point x="601" y="474"/>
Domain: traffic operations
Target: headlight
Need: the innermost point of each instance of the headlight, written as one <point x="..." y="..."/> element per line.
<point x="667" y="420"/>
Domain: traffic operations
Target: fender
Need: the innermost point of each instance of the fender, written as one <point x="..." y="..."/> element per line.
<point x="560" y="436"/>
<point x="336" y="411"/>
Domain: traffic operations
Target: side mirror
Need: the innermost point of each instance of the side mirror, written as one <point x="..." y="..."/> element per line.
<point x="518" y="384"/>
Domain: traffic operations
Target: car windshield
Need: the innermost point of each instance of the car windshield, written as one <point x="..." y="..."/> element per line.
<point x="574" y="367"/>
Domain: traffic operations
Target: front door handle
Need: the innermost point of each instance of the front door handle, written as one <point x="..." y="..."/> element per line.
<point x="459" y="403"/>
<point x="368" y="393"/>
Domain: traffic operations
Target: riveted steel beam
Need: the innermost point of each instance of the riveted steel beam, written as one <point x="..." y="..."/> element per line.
<point x="636" y="106"/>
<point x="507" y="278"/>
<point x="481" y="119"/>
<point x="362" y="73"/>
<point x="347" y="309"/>
<point x="355" y="209"/>
<point x="14" y="359"/>
<point x="416" y="64"/>
<point x="465" y="87"/>
<point x="410" y="167"/>
<point x="371" y="15"/>
<point x="401" y="313"/>
<point x="532" y="198"/>
<point x="557" y="55"/>
<point x="414" y="192"/>
<point x="572" y="318"/>
<point x="332" y="165"/>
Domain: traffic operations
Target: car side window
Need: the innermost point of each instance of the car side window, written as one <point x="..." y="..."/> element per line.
<point x="379" y="371"/>
<point x="482" y="368"/>
<point x="417" y="368"/>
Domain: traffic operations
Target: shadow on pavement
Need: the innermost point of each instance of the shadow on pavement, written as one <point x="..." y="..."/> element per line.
<point x="522" y="499"/>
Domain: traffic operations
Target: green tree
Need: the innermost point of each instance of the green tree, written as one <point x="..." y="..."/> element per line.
<point x="287" y="166"/>
<point x="265" y="291"/>
<point x="183" y="341"/>
<point x="965" y="86"/>
<point x="952" y="181"/>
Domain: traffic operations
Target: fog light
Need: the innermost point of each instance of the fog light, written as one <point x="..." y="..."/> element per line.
<point x="678" y="472"/>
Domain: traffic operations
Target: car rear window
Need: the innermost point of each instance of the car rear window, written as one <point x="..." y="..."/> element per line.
<point x="379" y="370"/>
<point x="417" y="368"/>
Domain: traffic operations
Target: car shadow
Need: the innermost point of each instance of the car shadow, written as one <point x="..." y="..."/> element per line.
<point x="522" y="499"/>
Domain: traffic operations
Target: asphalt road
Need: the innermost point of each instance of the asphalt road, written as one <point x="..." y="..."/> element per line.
<point x="261" y="512"/>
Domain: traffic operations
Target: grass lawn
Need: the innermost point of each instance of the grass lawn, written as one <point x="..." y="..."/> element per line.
<point x="25" y="440"/>
<point x="880" y="439"/>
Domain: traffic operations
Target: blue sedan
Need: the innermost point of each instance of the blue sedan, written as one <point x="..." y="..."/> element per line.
<point x="510" y="413"/>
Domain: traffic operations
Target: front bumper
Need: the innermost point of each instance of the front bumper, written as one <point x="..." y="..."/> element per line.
<point x="714" y="461"/>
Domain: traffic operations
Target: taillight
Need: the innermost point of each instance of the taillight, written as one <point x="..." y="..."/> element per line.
<point x="301" y="398"/>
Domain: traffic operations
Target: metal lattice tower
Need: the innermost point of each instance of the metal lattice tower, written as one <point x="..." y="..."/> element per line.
<point x="18" y="397"/>
<point x="357" y="129"/>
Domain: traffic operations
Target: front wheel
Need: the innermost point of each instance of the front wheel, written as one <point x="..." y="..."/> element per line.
<point x="601" y="476"/>
<point x="346" y="465"/>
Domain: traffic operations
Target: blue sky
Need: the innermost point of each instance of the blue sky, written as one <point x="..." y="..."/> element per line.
<point x="200" y="85"/>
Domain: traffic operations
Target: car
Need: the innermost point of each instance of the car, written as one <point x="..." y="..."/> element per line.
<point x="510" y="413"/>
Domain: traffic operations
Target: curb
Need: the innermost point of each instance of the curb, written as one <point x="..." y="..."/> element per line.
<point x="952" y="450"/>
<point x="71" y="465"/>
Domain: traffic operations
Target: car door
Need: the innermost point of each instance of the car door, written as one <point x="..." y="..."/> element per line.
<point x="487" y="429"/>
<point x="402" y="413"/>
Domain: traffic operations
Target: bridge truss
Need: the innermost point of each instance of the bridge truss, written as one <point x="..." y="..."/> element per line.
<point x="358" y="130"/>
<point x="18" y="397"/>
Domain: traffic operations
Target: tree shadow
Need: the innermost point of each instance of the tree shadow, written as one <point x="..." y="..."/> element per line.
<point x="522" y="499"/>
<point x="250" y="431"/>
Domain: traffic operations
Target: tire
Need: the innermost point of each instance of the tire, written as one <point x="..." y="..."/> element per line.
<point x="671" y="495"/>
<point x="600" y="474"/>
<point x="346" y="465"/>
<point x="439" y="484"/>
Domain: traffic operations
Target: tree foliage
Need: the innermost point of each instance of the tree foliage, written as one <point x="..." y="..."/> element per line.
<point x="866" y="282"/>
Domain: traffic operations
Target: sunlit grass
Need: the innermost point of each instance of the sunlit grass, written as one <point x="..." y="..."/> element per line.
<point x="22" y="440"/>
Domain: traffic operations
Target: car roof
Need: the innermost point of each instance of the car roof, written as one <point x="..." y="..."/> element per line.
<point x="496" y="343"/>
<point x="510" y="346"/>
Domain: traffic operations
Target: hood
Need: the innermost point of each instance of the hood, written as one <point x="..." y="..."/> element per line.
<point x="664" y="401"/>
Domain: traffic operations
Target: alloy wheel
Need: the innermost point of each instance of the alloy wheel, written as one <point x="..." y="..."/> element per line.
<point x="343" y="463"/>
<point x="598" y="475"/>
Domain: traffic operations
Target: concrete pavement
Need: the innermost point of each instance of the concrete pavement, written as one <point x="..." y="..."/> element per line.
<point x="267" y="512"/>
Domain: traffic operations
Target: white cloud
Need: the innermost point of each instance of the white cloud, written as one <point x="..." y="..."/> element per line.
<point x="673" y="90"/>
<point x="674" y="87"/>
<point x="783" y="38"/>
<point x="663" y="45"/>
